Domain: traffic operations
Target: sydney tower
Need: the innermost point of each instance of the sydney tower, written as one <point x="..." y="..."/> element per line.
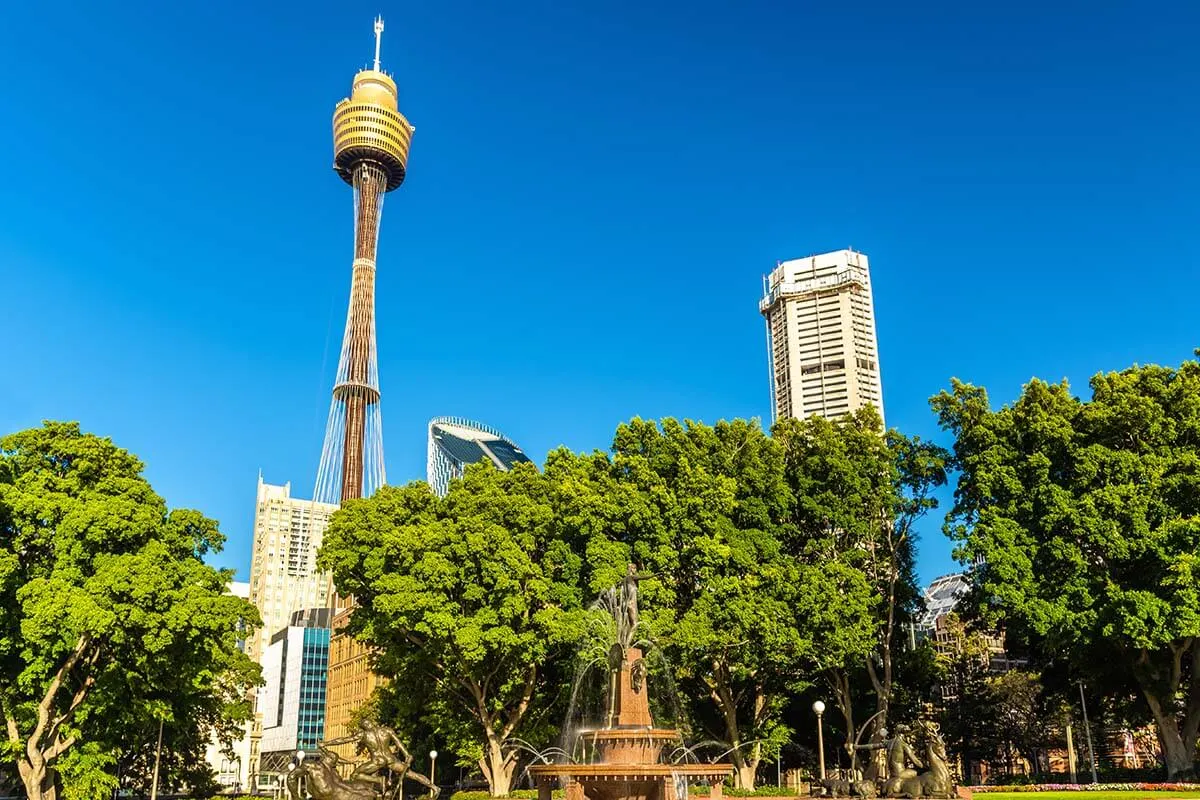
<point x="370" y="151"/>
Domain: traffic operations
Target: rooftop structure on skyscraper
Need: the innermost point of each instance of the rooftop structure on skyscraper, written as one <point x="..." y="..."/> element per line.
<point x="941" y="598"/>
<point x="455" y="442"/>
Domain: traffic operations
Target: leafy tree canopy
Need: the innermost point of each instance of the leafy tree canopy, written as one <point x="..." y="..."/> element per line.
<point x="470" y="596"/>
<point x="1085" y="516"/>
<point x="108" y="615"/>
<point x="707" y="512"/>
<point x="858" y="493"/>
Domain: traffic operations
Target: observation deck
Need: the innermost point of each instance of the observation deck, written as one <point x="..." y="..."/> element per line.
<point x="368" y="127"/>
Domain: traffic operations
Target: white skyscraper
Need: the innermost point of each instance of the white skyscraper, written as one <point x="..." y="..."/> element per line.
<point x="283" y="565"/>
<point x="821" y="343"/>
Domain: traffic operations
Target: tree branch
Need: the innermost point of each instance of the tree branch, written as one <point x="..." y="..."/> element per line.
<point x="14" y="734"/>
<point x="518" y="713"/>
<point x="60" y="747"/>
<point x="47" y="703"/>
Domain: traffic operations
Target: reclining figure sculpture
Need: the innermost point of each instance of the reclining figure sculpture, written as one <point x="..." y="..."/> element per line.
<point x="382" y="774"/>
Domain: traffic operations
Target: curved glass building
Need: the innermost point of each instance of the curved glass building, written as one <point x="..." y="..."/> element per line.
<point x="455" y="442"/>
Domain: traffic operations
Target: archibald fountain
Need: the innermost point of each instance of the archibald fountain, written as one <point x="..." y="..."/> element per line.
<point x="628" y="748"/>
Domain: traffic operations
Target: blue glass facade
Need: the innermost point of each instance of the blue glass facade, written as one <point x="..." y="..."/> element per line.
<point x="314" y="666"/>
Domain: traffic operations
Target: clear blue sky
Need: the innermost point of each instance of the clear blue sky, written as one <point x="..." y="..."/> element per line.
<point x="594" y="192"/>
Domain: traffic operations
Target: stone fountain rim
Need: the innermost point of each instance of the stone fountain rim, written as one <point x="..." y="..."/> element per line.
<point x="631" y="771"/>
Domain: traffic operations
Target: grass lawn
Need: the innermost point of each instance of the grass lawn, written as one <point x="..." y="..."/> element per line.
<point x="1132" y="794"/>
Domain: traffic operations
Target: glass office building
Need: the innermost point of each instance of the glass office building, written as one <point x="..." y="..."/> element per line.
<point x="455" y="442"/>
<point x="292" y="701"/>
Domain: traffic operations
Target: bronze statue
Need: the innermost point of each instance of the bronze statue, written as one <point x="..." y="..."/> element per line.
<point x="621" y="601"/>
<point x="889" y="768"/>
<point x="369" y="779"/>
<point x="877" y="768"/>
<point x="323" y="782"/>
<point x="937" y="781"/>
<point x="627" y="619"/>
<point x="899" y="753"/>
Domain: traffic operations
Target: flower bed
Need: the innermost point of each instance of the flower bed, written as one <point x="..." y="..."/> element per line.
<point x="1088" y="787"/>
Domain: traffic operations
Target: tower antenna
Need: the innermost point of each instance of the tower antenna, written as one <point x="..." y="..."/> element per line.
<point x="378" y="36"/>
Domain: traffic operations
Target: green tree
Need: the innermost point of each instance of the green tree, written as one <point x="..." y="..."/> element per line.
<point x="964" y="707"/>
<point x="1086" y="516"/>
<point x="108" y="613"/>
<point x="1018" y="714"/>
<point x="858" y="494"/>
<point x="743" y="622"/>
<point x="471" y="597"/>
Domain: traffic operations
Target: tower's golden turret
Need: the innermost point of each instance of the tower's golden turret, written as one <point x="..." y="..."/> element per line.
<point x="368" y="126"/>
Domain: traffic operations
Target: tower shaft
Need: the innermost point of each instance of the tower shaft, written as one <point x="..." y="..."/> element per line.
<point x="352" y="459"/>
<point x="370" y="152"/>
<point x="360" y="389"/>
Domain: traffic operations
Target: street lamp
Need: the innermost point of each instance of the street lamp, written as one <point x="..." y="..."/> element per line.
<point x="299" y="764"/>
<point x="432" y="766"/>
<point x="818" y="708"/>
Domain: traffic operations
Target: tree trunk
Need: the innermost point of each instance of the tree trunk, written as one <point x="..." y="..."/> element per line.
<point x="497" y="767"/>
<point x="1177" y="735"/>
<point x="839" y="681"/>
<point x="38" y="779"/>
<point x="743" y="773"/>
<point x="745" y="766"/>
<point x="1176" y="753"/>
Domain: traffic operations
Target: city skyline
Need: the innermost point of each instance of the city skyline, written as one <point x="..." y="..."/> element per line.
<point x="1068" y="188"/>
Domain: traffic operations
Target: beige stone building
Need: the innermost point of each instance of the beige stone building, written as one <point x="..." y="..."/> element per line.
<point x="824" y="358"/>
<point x="283" y="563"/>
<point x="283" y="576"/>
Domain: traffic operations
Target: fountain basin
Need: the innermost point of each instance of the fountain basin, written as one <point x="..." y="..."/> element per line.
<point x="628" y="781"/>
<point x="631" y="745"/>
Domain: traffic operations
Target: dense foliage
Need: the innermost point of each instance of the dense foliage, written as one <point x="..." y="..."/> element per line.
<point x="760" y="575"/>
<point x="109" y="619"/>
<point x="466" y="598"/>
<point x="1085" y="519"/>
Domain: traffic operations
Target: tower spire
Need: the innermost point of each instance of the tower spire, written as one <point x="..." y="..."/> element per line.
<point x="378" y="37"/>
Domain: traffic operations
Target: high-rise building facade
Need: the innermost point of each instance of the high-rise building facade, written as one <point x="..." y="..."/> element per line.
<point x="821" y="344"/>
<point x="370" y="153"/>
<point x="283" y="578"/>
<point x="455" y="443"/>
<point x="283" y="566"/>
<point x="292" y="698"/>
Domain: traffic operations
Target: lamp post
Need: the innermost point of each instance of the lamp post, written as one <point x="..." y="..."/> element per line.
<point x="1087" y="729"/>
<point x="157" y="758"/>
<point x="432" y="766"/>
<point x="299" y="764"/>
<point x="818" y="708"/>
